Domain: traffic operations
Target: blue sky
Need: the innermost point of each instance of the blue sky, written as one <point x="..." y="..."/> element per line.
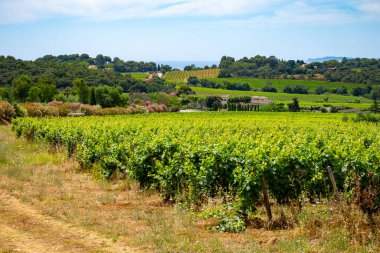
<point x="190" y="29"/>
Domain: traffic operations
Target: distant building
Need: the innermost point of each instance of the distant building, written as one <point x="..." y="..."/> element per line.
<point x="258" y="100"/>
<point x="224" y="99"/>
<point x="92" y="67"/>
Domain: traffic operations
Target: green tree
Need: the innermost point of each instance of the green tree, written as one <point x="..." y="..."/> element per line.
<point x="375" y="95"/>
<point x="21" y="87"/>
<point x="92" y="97"/>
<point x="213" y="102"/>
<point x="110" y="97"/>
<point x="184" y="89"/>
<point x="33" y="94"/>
<point x="82" y="90"/>
<point x="294" y="107"/>
<point x="47" y="89"/>
<point x="192" y="80"/>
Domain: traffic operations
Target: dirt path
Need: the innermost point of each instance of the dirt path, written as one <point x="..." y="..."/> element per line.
<point x="24" y="229"/>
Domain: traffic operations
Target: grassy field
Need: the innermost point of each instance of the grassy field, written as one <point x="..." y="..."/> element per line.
<point x="139" y="75"/>
<point x="182" y="76"/>
<point x="305" y="99"/>
<point x="279" y="84"/>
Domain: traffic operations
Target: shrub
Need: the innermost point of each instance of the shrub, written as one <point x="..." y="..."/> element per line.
<point x="7" y="112"/>
<point x="33" y="109"/>
<point x="273" y="108"/>
<point x="20" y="111"/>
<point x="55" y="103"/>
<point x="90" y="110"/>
<point x="367" y="118"/>
<point x="269" y="88"/>
<point x="157" y="108"/>
<point x="113" y="111"/>
<point x="49" y="111"/>
<point x="320" y="90"/>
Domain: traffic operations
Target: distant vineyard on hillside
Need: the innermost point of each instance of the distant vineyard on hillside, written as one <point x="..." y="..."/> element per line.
<point x="182" y="76"/>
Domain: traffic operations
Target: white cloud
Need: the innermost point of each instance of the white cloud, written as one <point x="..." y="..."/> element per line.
<point x="370" y="6"/>
<point x="256" y="12"/>
<point x="18" y="11"/>
<point x="312" y="12"/>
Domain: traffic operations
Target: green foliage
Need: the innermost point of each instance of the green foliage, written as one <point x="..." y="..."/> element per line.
<point x="273" y="108"/>
<point x="213" y="102"/>
<point x="21" y="87"/>
<point x="33" y="94"/>
<point x="110" y="97"/>
<point x="184" y="89"/>
<point x="92" y="97"/>
<point x="228" y="219"/>
<point x="47" y="88"/>
<point x="194" y="157"/>
<point x="294" y="107"/>
<point x="366" y="118"/>
<point x="192" y="80"/>
<point x="272" y="67"/>
<point x="60" y="97"/>
<point x="269" y="88"/>
<point x="82" y="89"/>
<point x="298" y="89"/>
<point x="244" y="99"/>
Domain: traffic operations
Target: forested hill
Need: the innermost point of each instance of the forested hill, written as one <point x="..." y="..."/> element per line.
<point x="65" y="68"/>
<point x="358" y="70"/>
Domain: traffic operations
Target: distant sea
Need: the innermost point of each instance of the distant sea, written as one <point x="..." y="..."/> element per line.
<point x="181" y="64"/>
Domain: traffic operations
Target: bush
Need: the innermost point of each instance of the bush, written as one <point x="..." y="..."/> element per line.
<point x="7" y="112"/>
<point x="33" y="109"/>
<point x="273" y="108"/>
<point x="320" y="90"/>
<point x="367" y="118"/>
<point x="183" y="89"/>
<point x="90" y="110"/>
<point x="298" y="89"/>
<point x="157" y="108"/>
<point x="49" y="111"/>
<point x="113" y="111"/>
<point x="269" y="88"/>
<point x="192" y="80"/>
<point x="20" y="111"/>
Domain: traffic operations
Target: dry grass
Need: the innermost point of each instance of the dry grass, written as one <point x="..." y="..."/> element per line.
<point x="125" y="217"/>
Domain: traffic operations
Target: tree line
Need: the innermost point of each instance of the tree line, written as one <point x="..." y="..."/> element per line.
<point x="358" y="70"/>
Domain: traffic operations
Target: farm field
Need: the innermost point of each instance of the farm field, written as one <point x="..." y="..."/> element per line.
<point x="280" y="97"/>
<point x="280" y="84"/>
<point x="182" y="76"/>
<point x="139" y="75"/>
<point x="196" y="159"/>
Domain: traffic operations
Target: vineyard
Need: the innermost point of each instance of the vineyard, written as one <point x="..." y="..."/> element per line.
<point x="235" y="156"/>
<point x="280" y="97"/>
<point x="182" y="76"/>
<point x="280" y="84"/>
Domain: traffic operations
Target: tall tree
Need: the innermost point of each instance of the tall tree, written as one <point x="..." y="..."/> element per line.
<point x="92" y="97"/>
<point x="375" y="95"/>
<point x="21" y="87"/>
<point x="82" y="90"/>
<point x="47" y="89"/>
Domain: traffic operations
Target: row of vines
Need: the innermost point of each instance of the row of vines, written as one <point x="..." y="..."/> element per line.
<point x="235" y="156"/>
<point x="182" y="76"/>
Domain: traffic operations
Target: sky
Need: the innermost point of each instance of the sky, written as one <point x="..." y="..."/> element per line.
<point x="185" y="30"/>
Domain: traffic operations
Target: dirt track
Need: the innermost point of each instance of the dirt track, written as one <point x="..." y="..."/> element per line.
<point x="23" y="229"/>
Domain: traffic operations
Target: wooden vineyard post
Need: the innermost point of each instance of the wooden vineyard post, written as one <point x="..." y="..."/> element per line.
<point x="332" y="179"/>
<point x="266" y="198"/>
